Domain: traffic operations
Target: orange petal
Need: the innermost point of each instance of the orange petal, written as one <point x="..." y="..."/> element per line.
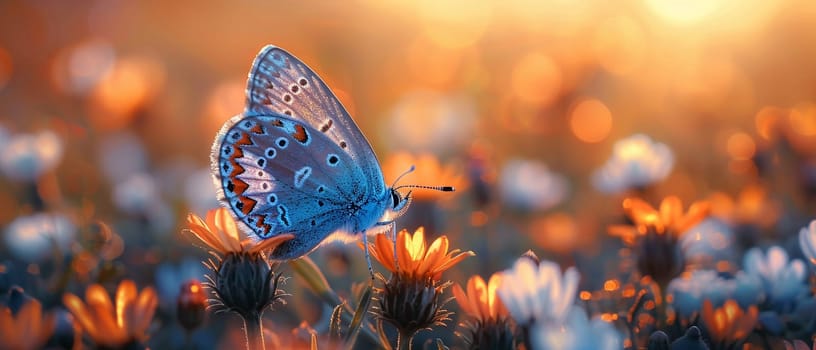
<point x="696" y="213"/>
<point x="101" y="308"/>
<point x="81" y="313"/>
<point x="208" y="238"/>
<point x="228" y="230"/>
<point x="497" y="308"/>
<point x="435" y="255"/>
<point x="29" y="321"/>
<point x="405" y="260"/>
<point x="463" y="300"/>
<point x="269" y="244"/>
<point x="384" y="251"/>
<point x="671" y="210"/>
<point x="125" y="295"/>
<point x="144" y="307"/>
<point x="453" y="261"/>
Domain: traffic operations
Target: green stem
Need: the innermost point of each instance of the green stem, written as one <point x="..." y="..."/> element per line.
<point x="253" y="330"/>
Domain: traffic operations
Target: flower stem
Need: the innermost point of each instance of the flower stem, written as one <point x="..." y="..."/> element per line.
<point x="253" y="329"/>
<point x="404" y="341"/>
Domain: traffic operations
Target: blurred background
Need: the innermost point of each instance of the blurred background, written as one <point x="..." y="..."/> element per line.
<point x="544" y="114"/>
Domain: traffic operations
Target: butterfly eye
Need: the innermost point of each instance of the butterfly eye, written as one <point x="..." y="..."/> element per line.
<point x="395" y="199"/>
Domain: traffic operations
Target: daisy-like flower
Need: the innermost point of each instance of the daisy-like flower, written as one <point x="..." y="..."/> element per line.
<point x="415" y="259"/>
<point x="490" y="328"/>
<point x="784" y="280"/>
<point x="26" y="329"/>
<point x="636" y="162"/>
<point x="243" y="279"/>
<point x="411" y="300"/>
<point x="538" y="293"/>
<point x="807" y="241"/>
<point x="655" y="234"/>
<point x="114" y="326"/>
<point x="729" y="325"/>
<point x="577" y="333"/>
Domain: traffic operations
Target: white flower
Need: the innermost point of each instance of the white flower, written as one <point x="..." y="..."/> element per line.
<point x="32" y="238"/>
<point x="538" y="294"/>
<point x="636" y="161"/>
<point x="530" y="185"/>
<point x="26" y="157"/>
<point x="783" y="280"/>
<point x="807" y="241"/>
<point x="578" y="333"/>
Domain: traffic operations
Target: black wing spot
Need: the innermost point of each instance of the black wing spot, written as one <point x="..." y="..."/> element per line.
<point x="227" y="150"/>
<point x="247" y="124"/>
<point x="230" y="186"/>
<point x="265" y="185"/>
<point x="282" y="142"/>
<point x="313" y="223"/>
<point x="239" y="205"/>
<point x="287" y="112"/>
<point x="271" y="152"/>
<point x="272" y="199"/>
<point x="261" y="162"/>
<point x="283" y="217"/>
<point x="303" y="82"/>
<point x="332" y="159"/>
<point x="321" y="189"/>
<point x="326" y="126"/>
<point x="235" y="135"/>
<point x="295" y="89"/>
<point x="226" y="167"/>
<point x="343" y="144"/>
<point x="320" y="203"/>
<point x="287" y="98"/>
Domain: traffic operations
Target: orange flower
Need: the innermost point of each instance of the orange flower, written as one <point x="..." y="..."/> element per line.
<point x="26" y="330"/>
<point x="415" y="260"/>
<point x="481" y="301"/>
<point x="669" y="218"/>
<point x="109" y="325"/>
<point x="221" y="234"/>
<point x="428" y="171"/>
<point x="729" y="324"/>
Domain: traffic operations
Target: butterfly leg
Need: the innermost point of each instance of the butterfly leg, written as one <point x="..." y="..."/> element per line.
<point x="368" y="257"/>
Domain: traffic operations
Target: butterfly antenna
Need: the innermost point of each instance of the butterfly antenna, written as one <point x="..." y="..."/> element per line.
<point x="437" y="188"/>
<point x="410" y="170"/>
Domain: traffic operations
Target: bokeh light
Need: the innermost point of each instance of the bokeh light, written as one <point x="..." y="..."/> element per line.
<point x="591" y="121"/>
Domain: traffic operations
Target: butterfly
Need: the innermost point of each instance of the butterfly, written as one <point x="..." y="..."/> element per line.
<point x="295" y="162"/>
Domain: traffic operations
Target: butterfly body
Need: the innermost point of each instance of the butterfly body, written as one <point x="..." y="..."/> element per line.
<point x="295" y="162"/>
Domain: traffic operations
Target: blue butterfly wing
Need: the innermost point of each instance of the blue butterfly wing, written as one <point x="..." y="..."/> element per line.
<point x="279" y="175"/>
<point x="281" y="83"/>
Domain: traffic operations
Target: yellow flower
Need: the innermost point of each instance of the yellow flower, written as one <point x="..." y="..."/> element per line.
<point x="729" y="324"/>
<point x="428" y="171"/>
<point x="668" y="218"/>
<point x="26" y="330"/>
<point x="109" y="325"/>
<point x="220" y="233"/>
<point x="415" y="260"/>
<point x="481" y="301"/>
